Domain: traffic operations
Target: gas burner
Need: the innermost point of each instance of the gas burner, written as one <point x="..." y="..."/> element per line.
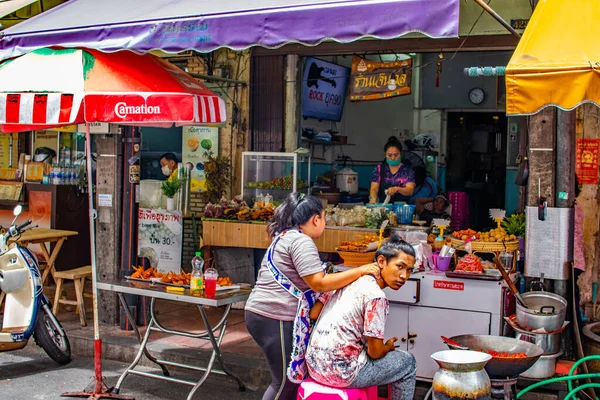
<point x="504" y="388"/>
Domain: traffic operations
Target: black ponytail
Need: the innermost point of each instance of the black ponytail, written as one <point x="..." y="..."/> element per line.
<point x="393" y="141"/>
<point x="296" y="210"/>
<point x="393" y="247"/>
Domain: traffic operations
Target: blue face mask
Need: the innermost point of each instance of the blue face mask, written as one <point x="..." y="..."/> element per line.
<point x="393" y="163"/>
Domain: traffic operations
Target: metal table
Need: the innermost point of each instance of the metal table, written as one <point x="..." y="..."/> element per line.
<point x="156" y="292"/>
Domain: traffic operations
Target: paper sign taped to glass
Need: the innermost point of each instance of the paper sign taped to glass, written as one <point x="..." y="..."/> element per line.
<point x="549" y="243"/>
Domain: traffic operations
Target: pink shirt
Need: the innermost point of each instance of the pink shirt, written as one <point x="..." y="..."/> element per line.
<point x="338" y="344"/>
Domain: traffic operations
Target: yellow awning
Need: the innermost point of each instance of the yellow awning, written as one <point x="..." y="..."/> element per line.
<point x="557" y="60"/>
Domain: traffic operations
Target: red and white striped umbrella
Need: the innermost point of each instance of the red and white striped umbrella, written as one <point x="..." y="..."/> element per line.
<point x="54" y="87"/>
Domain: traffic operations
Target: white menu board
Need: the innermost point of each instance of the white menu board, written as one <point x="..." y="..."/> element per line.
<point x="197" y="141"/>
<point x="160" y="238"/>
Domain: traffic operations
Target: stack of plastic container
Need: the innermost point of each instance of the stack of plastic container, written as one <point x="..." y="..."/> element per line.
<point x="460" y="210"/>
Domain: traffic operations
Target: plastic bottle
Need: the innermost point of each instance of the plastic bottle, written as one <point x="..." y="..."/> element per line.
<point x="70" y="176"/>
<point x="196" y="281"/>
<point x="210" y="282"/>
<point x="59" y="174"/>
<point x="52" y="178"/>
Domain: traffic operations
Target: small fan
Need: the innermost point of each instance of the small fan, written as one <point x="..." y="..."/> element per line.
<point x="442" y="224"/>
<point x="497" y="215"/>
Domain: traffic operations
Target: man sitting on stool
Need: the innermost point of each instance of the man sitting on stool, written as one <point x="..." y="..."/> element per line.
<point x="347" y="348"/>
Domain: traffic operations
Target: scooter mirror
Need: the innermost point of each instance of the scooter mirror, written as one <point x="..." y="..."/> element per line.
<point x="17" y="211"/>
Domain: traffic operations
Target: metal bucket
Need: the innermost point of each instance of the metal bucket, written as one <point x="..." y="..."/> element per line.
<point x="461" y="375"/>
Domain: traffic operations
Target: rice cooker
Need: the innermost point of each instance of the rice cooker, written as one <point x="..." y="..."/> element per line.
<point x="346" y="180"/>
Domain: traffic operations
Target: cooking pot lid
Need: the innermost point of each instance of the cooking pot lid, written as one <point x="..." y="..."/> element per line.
<point x="544" y="302"/>
<point x="347" y="171"/>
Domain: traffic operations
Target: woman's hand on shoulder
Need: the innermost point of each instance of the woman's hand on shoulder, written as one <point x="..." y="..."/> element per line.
<point x="370" y="269"/>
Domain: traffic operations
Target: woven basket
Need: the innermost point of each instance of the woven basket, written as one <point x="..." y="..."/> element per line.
<point x="356" y="258"/>
<point x="492" y="247"/>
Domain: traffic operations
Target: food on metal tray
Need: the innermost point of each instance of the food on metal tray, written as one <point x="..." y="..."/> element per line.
<point x="140" y="273"/>
<point x="175" y="279"/>
<point x="469" y="263"/>
<point x="504" y="354"/>
<point x="358" y="245"/>
<point x="224" y="281"/>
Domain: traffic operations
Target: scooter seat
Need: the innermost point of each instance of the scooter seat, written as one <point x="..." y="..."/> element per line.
<point x="12" y="279"/>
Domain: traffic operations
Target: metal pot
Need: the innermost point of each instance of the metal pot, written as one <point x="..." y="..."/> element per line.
<point x="544" y="311"/>
<point x="549" y="342"/>
<point x="461" y="375"/>
<point x="544" y="368"/>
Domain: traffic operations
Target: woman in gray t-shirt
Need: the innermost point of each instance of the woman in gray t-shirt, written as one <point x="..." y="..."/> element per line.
<point x="270" y="310"/>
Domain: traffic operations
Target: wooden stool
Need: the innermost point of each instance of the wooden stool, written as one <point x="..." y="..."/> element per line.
<point x="78" y="276"/>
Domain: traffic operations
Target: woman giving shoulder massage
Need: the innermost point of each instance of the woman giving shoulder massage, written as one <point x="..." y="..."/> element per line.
<point x="290" y="274"/>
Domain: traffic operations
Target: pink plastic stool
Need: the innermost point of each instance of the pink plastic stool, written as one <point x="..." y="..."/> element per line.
<point x="311" y="390"/>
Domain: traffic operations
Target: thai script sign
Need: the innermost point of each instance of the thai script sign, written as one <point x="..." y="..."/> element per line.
<point x="372" y="80"/>
<point x="586" y="164"/>
<point x="160" y="234"/>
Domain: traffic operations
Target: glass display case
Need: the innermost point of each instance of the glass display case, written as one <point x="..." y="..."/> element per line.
<point x="274" y="174"/>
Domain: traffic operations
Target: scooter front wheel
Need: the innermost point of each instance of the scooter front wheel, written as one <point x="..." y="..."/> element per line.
<point x="54" y="342"/>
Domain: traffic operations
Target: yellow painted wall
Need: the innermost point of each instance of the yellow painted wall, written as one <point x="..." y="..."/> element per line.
<point x="487" y="25"/>
<point x="28" y="12"/>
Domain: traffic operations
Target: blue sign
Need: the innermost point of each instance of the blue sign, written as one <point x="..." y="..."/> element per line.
<point x="324" y="89"/>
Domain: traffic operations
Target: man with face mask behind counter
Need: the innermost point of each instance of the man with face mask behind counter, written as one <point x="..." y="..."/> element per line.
<point x="168" y="166"/>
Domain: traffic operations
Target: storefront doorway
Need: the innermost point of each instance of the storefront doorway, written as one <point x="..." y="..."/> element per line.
<point x="476" y="162"/>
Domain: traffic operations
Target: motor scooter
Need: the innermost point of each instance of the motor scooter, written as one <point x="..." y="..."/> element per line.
<point x="27" y="311"/>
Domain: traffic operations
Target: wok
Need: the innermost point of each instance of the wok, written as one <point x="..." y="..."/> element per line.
<point x="502" y="368"/>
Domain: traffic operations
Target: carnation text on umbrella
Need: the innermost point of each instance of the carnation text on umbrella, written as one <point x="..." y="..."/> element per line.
<point x="122" y="109"/>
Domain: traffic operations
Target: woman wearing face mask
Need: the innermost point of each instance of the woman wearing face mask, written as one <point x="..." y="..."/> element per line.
<point x="391" y="177"/>
<point x="168" y="166"/>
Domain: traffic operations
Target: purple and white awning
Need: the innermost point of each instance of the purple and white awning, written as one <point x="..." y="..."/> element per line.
<point x="206" y="25"/>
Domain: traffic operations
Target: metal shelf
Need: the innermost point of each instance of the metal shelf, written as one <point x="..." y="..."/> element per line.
<point x="325" y="143"/>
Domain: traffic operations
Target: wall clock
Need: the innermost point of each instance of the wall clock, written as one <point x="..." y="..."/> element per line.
<point x="476" y="96"/>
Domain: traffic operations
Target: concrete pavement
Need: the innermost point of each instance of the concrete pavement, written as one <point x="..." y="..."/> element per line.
<point x="29" y="374"/>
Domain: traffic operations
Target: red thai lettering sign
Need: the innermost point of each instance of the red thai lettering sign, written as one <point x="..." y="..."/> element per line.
<point x="448" y="285"/>
<point x="587" y="160"/>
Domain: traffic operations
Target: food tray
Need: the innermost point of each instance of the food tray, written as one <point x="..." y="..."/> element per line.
<point x="492" y="247"/>
<point x="487" y="275"/>
<point x="356" y="258"/>
<point x="158" y="282"/>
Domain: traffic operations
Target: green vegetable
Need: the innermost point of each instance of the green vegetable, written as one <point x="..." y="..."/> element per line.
<point x="170" y="188"/>
<point x="515" y="224"/>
